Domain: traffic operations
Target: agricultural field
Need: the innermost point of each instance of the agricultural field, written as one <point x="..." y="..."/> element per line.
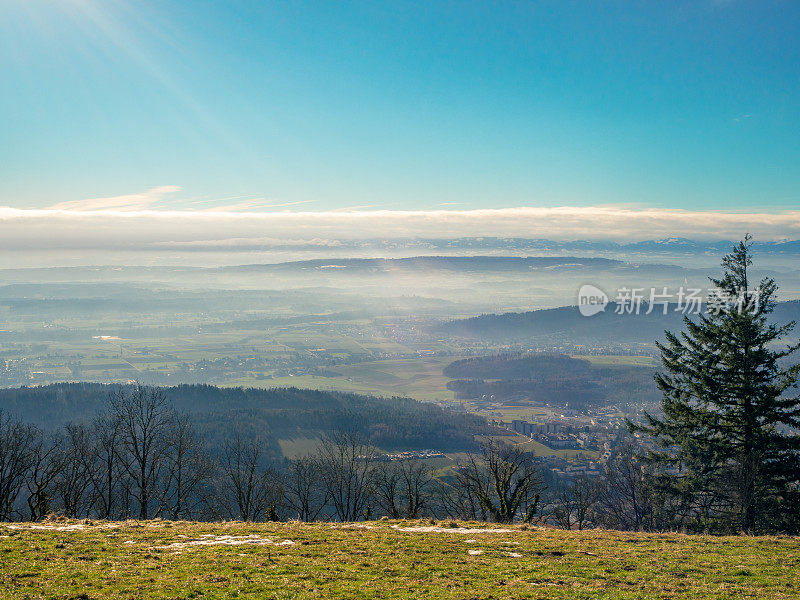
<point x="269" y="357"/>
<point x="619" y="359"/>
<point x="418" y="378"/>
<point x="385" y="559"/>
<point x="539" y="449"/>
<point x="348" y="356"/>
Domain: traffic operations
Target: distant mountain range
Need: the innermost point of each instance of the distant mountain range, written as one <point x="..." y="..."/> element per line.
<point x="668" y="245"/>
<point x="672" y="245"/>
<point x="448" y="263"/>
<point x="566" y="323"/>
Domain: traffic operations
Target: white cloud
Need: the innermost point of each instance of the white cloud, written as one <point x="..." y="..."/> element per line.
<point x="257" y="204"/>
<point x="141" y="201"/>
<point x="128" y="228"/>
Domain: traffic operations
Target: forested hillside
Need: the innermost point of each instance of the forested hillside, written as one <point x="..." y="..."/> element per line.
<point x="567" y="323"/>
<point x="534" y="366"/>
<point x="545" y="378"/>
<point x="271" y="414"/>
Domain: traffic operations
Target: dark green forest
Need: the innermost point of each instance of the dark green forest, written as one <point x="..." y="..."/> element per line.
<point x="268" y="414"/>
<point x="555" y="379"/>
<point x="567" y="323"/>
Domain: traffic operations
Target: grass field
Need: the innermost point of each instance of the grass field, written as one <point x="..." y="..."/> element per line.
<point x="539" y="449"/>
<point x="618" y="359"/>
<point x="385" y="559"/>
<point x="419" y="378"/>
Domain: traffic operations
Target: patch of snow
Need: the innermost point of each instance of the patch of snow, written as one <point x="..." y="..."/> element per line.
<point x="459" y="530"/>
<point x="210" y="539"/>
<point x="66" y="527"/>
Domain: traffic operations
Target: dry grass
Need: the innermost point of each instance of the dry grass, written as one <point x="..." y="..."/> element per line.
<point x="384" y="559"/>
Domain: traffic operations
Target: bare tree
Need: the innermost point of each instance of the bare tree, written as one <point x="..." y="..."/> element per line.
<point x="627" y="497"/>
<point x="16" y="443"/>
<point x="387" y="488"/>
<point x="504" y="480"/>
<point x="574" y="504"/>
<point x="457" y="501"/>
<point x="189" y="469"/>
<point x="250" y="490"/>
<point x="103" y="466"/>
<point x="145" y="418"/>
<point x="47" y="463"/>
<point x="347" y="469"/>
<point x="402" y="487"/>
<point x="73" y="485"/>
<point x="416" y="482"/>
<point x="304" y="490"/>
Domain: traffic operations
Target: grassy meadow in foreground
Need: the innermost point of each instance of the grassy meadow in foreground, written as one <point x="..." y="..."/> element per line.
<point x="385" y="559"/>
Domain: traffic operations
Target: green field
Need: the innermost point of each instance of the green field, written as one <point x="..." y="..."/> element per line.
<point x="419" y="378"/>
<point x="618" y="359"/>
<point x="539" y="449"/>
<point x="353" y="355"/>
<point x="369" y="362"/>
<point x="385" y="559"/>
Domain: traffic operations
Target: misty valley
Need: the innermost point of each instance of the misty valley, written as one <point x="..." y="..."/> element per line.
<point x="419" y="354"/>
<point x="399" y="300"/>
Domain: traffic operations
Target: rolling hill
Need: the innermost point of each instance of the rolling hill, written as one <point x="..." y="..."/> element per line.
<point x="392" y="560"/>
<point x="567" y="323"/>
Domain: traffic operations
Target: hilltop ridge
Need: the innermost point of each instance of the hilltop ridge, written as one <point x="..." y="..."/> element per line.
<point x="384" y="559"/>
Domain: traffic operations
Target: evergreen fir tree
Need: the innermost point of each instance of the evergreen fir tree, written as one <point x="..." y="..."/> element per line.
<point x="729" y="432"/>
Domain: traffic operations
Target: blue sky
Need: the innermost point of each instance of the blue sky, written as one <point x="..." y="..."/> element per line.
<point x="400" y="105"/>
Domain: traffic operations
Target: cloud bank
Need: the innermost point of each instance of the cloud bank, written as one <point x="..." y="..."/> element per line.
<point x="119" y="225"/>
<point x="129" y="202"/>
